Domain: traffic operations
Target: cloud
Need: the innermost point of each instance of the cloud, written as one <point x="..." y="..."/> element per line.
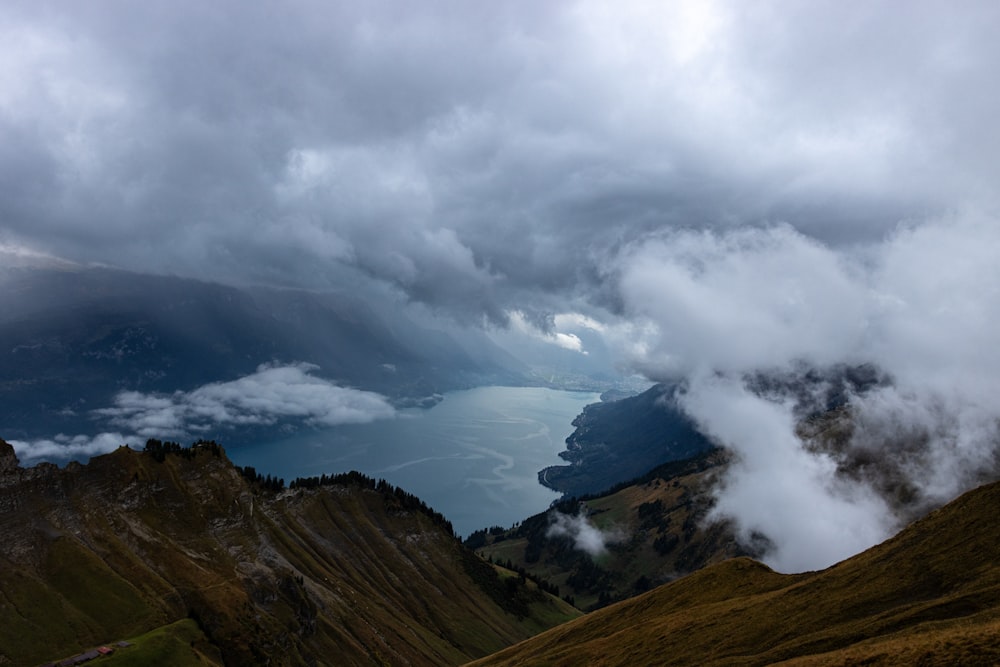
<point x="271" y="394"/>
<point x="585" y="536"/>
<point x="777" y="488"/>
<point x="478" y="159"/>
<point x="566" y="340"/>
<point x="64" y="447"/>
<point x="740" y="300"/>
<point x="274" y="393"/>
<point x="718" y="309"/>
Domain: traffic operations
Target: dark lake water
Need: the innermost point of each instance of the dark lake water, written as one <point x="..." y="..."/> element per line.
<point x="474" y="457"/>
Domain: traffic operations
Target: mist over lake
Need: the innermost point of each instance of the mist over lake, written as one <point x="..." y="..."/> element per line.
<point x="474" y="457"/>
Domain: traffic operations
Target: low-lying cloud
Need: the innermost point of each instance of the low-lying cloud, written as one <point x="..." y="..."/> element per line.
<point x="717" y="309"/>
<point x="273" y="394"/>
<point x="778" y="488"/>
<point x="62" y="446"/>
<point x="585" y="536"/>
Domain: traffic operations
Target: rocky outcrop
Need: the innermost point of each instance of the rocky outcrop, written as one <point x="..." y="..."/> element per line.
<point x="8" y="459"/>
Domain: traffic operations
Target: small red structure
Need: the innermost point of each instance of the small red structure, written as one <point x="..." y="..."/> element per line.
<point x="105" y="650"/>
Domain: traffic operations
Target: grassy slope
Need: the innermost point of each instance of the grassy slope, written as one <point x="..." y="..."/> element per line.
<point x="179" y="644"/>
<point x="340" y="574"/>
<point x="658" y="545"/>
<point x="931" y="594"/>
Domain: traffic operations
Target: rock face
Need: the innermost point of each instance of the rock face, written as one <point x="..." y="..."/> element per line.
<point x="8" y="459"/>
<point x="346" y="573"/>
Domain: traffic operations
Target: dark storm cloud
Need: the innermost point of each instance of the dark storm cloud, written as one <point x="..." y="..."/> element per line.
<point x="476" y="157"/>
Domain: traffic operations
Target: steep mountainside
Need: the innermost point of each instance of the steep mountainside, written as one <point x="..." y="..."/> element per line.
<point x="617" y="441"/>
<point x="654" y="530"/>
<point x="345" y="573"/>
<point x="929" y="596"/>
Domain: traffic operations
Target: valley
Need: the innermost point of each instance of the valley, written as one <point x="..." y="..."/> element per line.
<point x="181" y="543"/>
<point x="523" y="333"/>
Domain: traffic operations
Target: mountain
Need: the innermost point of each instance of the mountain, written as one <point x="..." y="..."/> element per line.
<point x="928" y="596"/>
<point x="178" y="546"/>
<point x="71" y="339"/>
<point x="617" y="441"/>
<point x="653" y="530"/>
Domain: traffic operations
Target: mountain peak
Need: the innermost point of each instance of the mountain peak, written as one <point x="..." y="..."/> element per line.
<point x="8" y="458"/>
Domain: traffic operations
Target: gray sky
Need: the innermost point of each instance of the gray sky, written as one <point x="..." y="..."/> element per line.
<point x="710" y="188"/>
<point x="479" y="157"/>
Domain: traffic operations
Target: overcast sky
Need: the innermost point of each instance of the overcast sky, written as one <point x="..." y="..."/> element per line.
<point x="479" y="156"/>
<point x="713" y="188"/>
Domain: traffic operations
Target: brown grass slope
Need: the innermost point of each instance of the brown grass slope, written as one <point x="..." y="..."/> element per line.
<point x="930" y="595"/>
<point x="335" y="575"/>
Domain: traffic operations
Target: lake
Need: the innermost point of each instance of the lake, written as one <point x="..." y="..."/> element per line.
<point x="474" y="457"/>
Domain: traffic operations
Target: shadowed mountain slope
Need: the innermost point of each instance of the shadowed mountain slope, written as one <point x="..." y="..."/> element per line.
<point x="617" y="441"/>
<point x="930" y="595"/>
<point x="654" y="530"/>
<point x="345" y="573"/>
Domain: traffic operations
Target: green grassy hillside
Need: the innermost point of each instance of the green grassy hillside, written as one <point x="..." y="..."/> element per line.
<point x="930" y="595"/>
<point x="656" y="528"/>
<point x="346" y="573"/>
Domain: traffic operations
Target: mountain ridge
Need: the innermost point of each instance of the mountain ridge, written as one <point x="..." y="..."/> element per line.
<point x="343" y="573"/>
<point x="931" y="593"/>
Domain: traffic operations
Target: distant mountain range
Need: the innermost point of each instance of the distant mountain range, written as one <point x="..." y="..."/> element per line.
<point x="71" y="339"/>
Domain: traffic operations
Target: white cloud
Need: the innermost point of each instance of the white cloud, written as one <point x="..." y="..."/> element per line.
<point x="744" y="299"/>
<point x="567" y="341"/>
<point x="779" y="489"/>
<point x="271" y="394"/>
<point x="586" y="536"/>
<point x="920" y="305"/>
<point x="62" y="447"/>
<point x="569" y="321"/>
